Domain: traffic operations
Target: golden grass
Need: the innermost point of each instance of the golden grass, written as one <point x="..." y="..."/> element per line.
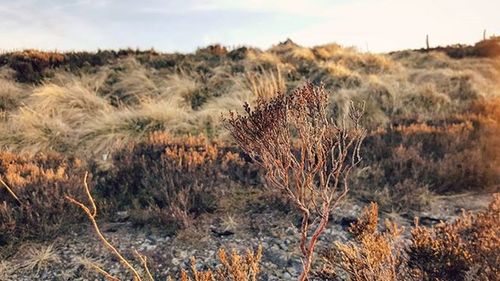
<point x="327" y="51"/>
<point x="127" y="99"/>
<point x="265" y="84"/>
<point x="133" y="84"/>
<point x="257" y="58"/>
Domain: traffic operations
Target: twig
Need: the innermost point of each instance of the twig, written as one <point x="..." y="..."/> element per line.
<point x="92" y="215"/>
<point x="10" y="190"/>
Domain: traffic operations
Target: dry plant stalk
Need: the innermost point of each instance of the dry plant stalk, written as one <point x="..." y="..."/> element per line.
<point x="305" y="155"/>
<point x="91" y="214"/>
<point x="10" y="191"/>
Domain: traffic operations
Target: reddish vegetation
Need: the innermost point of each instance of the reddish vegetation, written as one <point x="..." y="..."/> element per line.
<point x="304" y="156"/>
<point x="486" y="48"/>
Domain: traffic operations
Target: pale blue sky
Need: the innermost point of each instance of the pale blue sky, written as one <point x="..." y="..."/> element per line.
<point x="184" y="25"/>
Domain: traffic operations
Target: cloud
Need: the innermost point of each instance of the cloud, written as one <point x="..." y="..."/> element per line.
<point x="290" y="7"/>
<point x="183" y="25"/>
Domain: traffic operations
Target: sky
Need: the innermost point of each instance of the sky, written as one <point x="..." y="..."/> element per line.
<point x="185" y="25"/>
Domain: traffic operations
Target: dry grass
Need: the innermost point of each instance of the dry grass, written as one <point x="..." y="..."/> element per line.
<point x="257" y="58"/>
<point x="189" y="93"/>
<point x="265" y="84"/>
<point x="39" y="257"/>
<point x="6" y="270"/>
<point x="433" y="126"/>
<point x="132" y="84"/>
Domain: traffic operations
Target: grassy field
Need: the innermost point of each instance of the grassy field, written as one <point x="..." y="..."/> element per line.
<point x="149" y="129"/>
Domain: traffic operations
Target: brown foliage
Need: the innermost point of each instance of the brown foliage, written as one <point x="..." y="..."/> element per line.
<point x="373" y="255"/>
<point x="234" y="267"/>
<point x="488" y="48"/>
<point x="466" y="249"/>
<point x="304" y="155"/>
<point x="39" y="184"/>
<point x="406" y="164"/>
<point x="32" y="66"/>
<point x="175" y="177"/>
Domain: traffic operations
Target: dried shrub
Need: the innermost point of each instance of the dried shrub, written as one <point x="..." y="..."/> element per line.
<point x="406" y="164"/>
<point x="214" y="50"/>
<point x="373" y="255"/>
<point x="39" y="183"/>
<point x="304" y="155"/>
<point x="234" y="267"/>
<point x="465" y="249"/>
<point x="488" y="48"/>
<point x="31" y="66"/>
<point x="487" y="115"/>
<point x="172" y="176"/>
<point x="456" y="250"/>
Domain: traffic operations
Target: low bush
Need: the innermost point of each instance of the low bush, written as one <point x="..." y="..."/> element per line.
<point x="488" y="48"/>
<point x="465" y="249"/>
<point x="31" y="66"/>
<point x="373" y="255"/>
<point x="406" y="164"/>
<point x="32" y="190"/>
<point x="171" y="178"/>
